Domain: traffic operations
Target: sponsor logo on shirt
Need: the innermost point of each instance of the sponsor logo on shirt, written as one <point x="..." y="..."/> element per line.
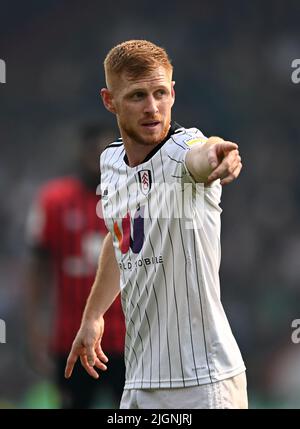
<point x="125" y="240"/>
<point x="195" y="141"/>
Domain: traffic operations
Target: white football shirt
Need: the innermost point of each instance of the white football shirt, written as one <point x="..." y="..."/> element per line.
<point x="166" y="234"/>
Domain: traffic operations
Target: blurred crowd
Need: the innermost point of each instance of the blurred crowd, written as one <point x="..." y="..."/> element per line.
<point x="233" y="71"/>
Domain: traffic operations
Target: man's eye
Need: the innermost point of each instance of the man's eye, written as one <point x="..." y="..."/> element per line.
<point x="160" y="93"/>
<point x="137" y="95"/>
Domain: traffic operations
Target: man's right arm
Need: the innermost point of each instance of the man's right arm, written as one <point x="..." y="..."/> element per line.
<point x="106" y="287"/>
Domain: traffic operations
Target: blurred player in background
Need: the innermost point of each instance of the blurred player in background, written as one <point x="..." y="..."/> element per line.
<point x="180" y="351"/>
<point x="65" y="236"/>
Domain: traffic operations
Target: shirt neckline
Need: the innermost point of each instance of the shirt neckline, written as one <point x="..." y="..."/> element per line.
<point x="173" y="128"/>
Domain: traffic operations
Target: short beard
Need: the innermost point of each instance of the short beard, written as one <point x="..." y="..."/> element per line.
<point x="138" y="139"/>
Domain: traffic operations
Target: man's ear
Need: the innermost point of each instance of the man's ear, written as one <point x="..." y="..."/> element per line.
<point x="173" y="90"/>
<point x="108" y="100"/>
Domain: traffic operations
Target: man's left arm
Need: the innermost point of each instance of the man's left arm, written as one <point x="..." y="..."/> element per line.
<point x="214" y="159"/>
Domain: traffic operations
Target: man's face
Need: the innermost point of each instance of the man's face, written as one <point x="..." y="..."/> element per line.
<point x="143" y="106"/>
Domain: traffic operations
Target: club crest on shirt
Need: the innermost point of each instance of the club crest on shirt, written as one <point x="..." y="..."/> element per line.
<point x="145" y="181"/>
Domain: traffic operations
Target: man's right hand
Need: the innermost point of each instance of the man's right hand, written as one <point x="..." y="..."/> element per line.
<point x="214" y="159"/>
<point x="87" y="346"/>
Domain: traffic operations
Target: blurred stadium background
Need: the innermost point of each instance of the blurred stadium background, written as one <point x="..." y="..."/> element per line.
<point x="233" y="78"/>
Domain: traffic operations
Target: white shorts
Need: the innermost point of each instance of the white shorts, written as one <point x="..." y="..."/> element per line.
<point x="229" y="393"/>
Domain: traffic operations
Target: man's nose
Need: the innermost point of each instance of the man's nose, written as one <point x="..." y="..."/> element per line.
<point x="151" y="105"/>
